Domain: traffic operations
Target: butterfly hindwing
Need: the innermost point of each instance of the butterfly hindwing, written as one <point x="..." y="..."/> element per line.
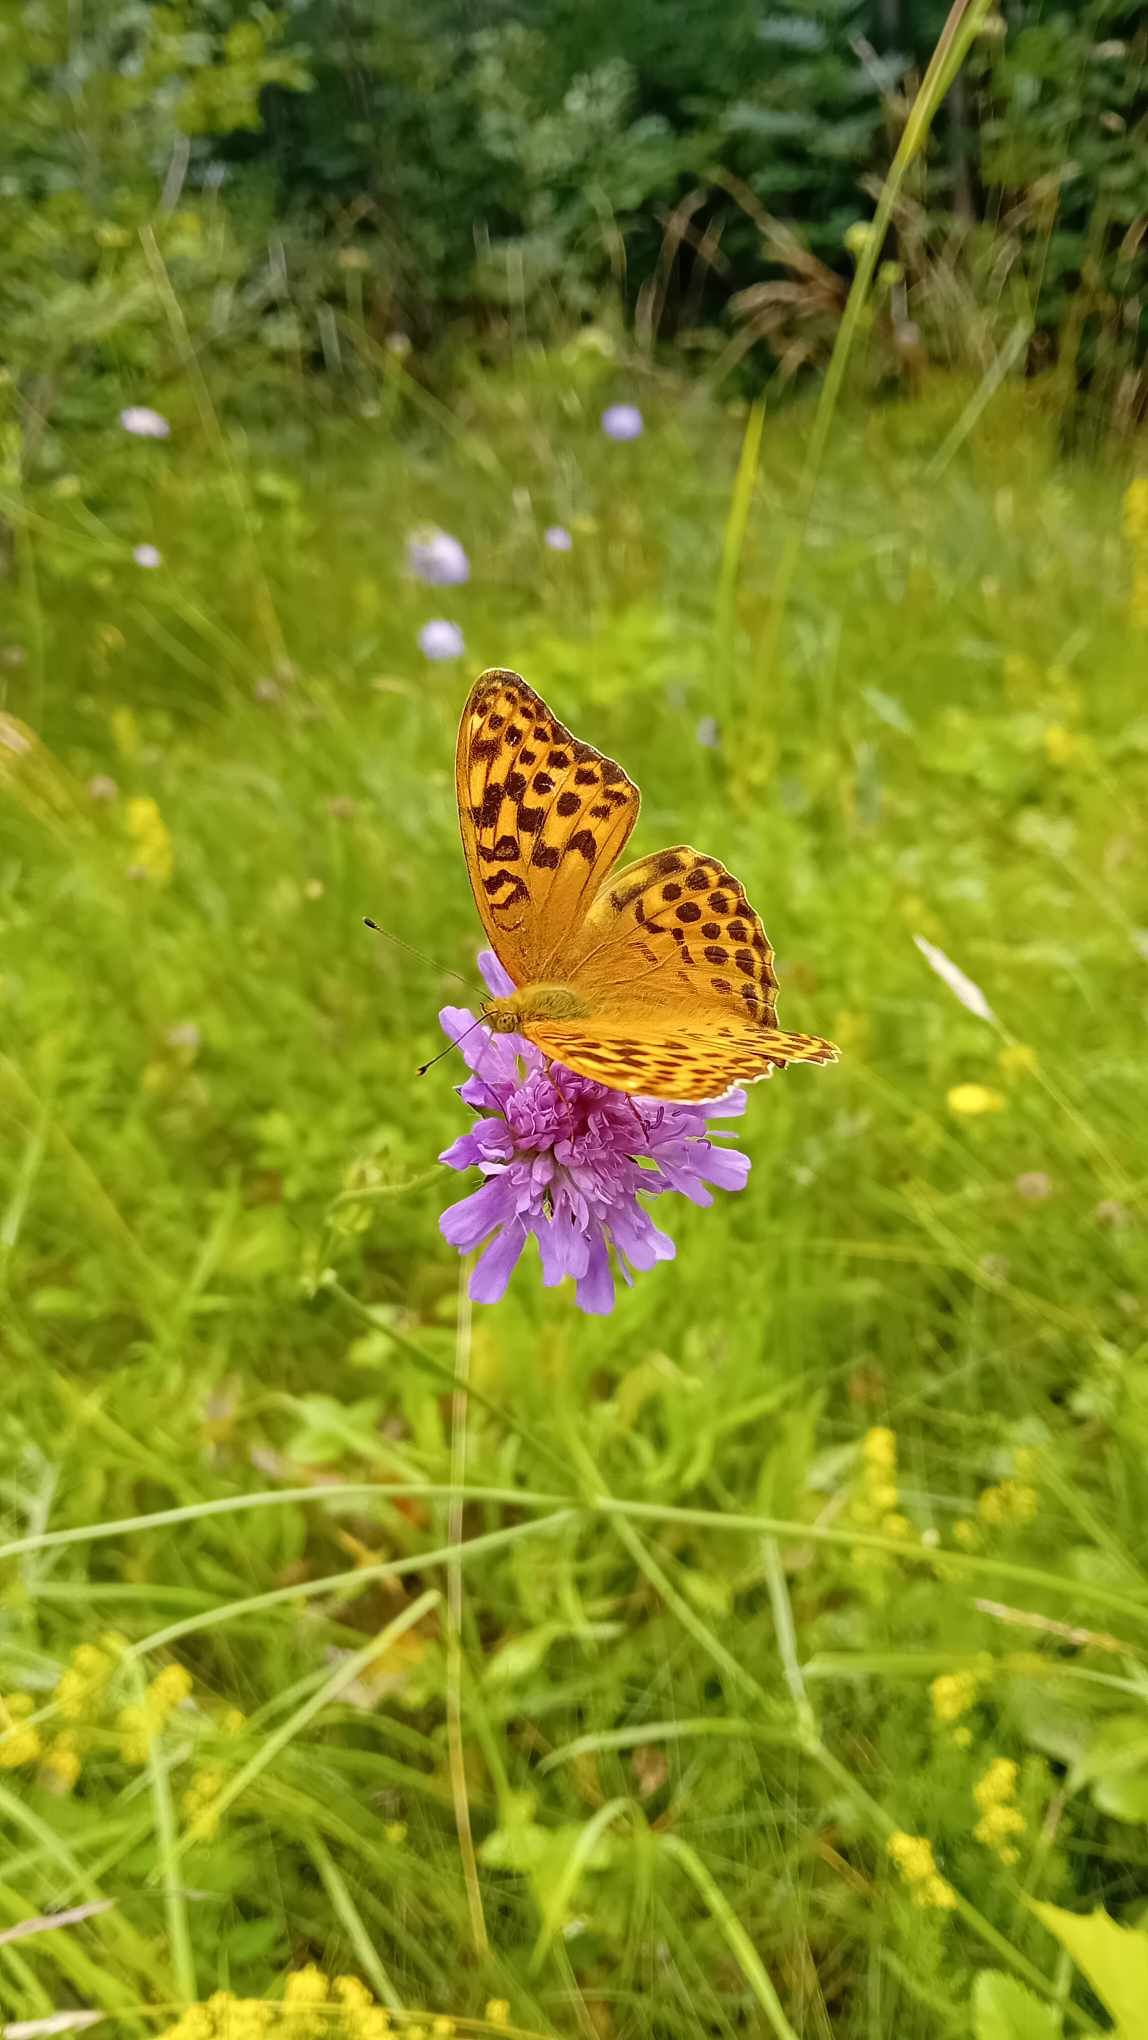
<point x="673" y="1059"/>
<point x="543" y="816"/>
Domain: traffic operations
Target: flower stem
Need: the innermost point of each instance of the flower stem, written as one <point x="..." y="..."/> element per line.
<point x="458" y="1419"/>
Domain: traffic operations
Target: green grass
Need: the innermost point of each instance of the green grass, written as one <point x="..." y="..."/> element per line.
<point x="691" y="1695"/>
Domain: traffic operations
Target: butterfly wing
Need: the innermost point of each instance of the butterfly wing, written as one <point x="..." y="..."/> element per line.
<point x="543" y="816"/>
<point x="678" y="973"/>
<point x="674" y="1059"/>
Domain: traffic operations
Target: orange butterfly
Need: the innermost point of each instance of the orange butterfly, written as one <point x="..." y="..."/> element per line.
<point x="655" y="979"/>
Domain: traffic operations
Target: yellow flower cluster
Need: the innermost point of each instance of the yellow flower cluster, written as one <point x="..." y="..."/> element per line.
<point x="81" y="1688"/>
<point x="20" y="1740"/>
<point x="1001" y="1819"/>
<point x="150" y="839"/>
<point x="913" y="1855"/>
<point x="1136" y="532"/>
<point x="139" y="1725"/>
<point x="874" y="1504"/>
<point x="1011" y="1502"/>
<point x="952" y="1695"/>
<point x="339" y="2007"/>
<point x="198" y="1801"/>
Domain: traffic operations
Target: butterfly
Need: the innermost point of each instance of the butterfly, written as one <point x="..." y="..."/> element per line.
<point x="655" y="977"/>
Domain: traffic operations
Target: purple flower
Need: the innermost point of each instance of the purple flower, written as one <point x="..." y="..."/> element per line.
<point x="708" y="733"/>
<point x="441" y="640"/>
<point x="558" y="538"/>
<point x="144" y="423"/>
<point x="566" y="1160"/>
<point x="147" y="556"/>
<point x="622" y="421"/>
<point x="438" y="559"/>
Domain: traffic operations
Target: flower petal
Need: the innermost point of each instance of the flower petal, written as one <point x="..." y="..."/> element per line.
<point x="595" y="1289"/>
<point x="465" y="1224"/>
<point x="493" y="1270"/>
<point x="498" y="982"/>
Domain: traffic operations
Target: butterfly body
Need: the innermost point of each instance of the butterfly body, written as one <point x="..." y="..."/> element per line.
<point x="655" y="978"/>
<point x="531" y="1003"/>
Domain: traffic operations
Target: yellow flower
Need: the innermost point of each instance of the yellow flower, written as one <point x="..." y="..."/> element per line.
<point x="952" y="1694"/>
<point x="352" y="1993"/>
<point x="150" y="839"/>
<point x="232" y="1721"/>
<point x="913" y="1855"/>
<point x="61" y="1766"/>
<point x="879" y="1448"/>
<point x="1010" y="1502"/>
<point x="966" y="1534"/>
<point x="970" y="1100"/>
<point x="1001" y="1821"/>
<point x="20" y="1745"/>
<point x="169" y="1687"/>
<point x="306" y="1987"/>
<point x="81" y="1687"/>
<point x="497" y="2012"/>
<point x="395" y="1831"/>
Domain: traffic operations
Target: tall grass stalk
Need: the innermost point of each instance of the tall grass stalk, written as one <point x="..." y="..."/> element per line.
<point x="964" y="22"/>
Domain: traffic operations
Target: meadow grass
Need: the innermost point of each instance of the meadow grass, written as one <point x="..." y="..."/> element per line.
<point x="738" y="1593"/>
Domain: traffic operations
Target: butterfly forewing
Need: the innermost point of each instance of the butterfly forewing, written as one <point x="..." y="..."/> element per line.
<point x="544" y="817"/>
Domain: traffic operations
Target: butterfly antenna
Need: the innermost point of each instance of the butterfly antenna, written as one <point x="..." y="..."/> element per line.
<point x="412" y="951"/>
<point x="424" y="1067"/>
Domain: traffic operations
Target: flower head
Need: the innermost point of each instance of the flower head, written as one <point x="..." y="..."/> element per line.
<point x="144" y="423"/>
<point x="566" y="1160"/>
<point x="437" y="558"/>
<point x="441" y="640"/>
<point x="557" y="538"/>
<point x="147" y="556"/>
<point x="622" y="421"/>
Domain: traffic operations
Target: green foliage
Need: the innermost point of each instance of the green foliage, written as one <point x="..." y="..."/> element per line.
<point x="1114" y="1959"/>
<point x="1063" y="153"/>
<point x="908" y="1363"/>
<point x="106" y="120"/>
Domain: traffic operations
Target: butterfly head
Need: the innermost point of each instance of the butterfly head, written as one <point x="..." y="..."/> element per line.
<point x="533" y="1002"/>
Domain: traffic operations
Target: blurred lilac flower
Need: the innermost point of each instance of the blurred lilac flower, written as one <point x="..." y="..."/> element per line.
<point x="441" y="640"/>
<point x="100" y="787"/>
<point x="622" y="421"/>
<point x="707" y="733"/>
<point x="144" y="423"/>
<point x="147" y="556"/>
<point x="438" y="559"/>
<point x="558" y="538"/>
<point x="566" y="1159"/>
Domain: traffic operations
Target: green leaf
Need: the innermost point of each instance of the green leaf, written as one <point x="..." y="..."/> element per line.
<point x="1004" y="2009"/>
<point x="1112" y="1957"/>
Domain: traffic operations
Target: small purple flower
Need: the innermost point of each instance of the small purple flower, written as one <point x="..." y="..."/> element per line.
<point x="144" y="423"/>
<point x="147" y="556"/>
<point x="622" y="421"/>
<point x="441" y="640"/>
<point x="438" y="559"/>
<point x="558" y="538"/>
<point x="566" y="1159"/>
<point x="708" y="733"/>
